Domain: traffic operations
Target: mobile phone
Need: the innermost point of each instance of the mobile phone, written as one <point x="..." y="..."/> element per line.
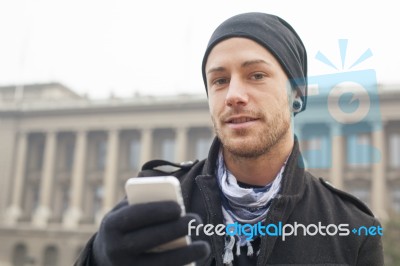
<point x="153" y="189"/>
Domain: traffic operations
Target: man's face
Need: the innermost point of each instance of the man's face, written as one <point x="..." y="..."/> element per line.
<point x="248" y="99"/>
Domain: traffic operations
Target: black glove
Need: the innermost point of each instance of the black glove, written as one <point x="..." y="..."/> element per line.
<point x="129" y="231"/>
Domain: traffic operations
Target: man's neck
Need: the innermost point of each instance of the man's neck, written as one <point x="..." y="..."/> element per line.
<point x="263" y="169"/>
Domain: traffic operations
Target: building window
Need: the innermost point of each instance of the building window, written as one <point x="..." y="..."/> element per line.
<point x="65" y="190"/>
<point x="164" y="144"/>
<point x="202" y="147"/>
<point x="168" y="149"/>
<point x="40" y="154"/>
<point x="35" y="196"/>
<point x="318" y="153"/>
<point x="358" y="150"/>
<point x="60" y="201"/>
<point x="20" y="255"/>
<point x="36" y="153"/>
<point x="50" y="256"/>
<point x="101" y="150"/>
<point x="199" y="142"/>
<point x="134" y="154"/>
<point x="69" y="156"/>
<point x="31" y="197"/>
<point x="98" y="194"/>
<point x="396" y="199"/>
<point x="394" y="151"/>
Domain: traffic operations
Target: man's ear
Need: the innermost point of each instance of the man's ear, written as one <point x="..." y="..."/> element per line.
<point x="297" y="102"/>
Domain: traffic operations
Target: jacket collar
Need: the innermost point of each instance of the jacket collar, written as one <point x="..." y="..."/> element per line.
<point x="293" y="181"/>
<point x="292" y="189"/>
<point x="211" y="162"/>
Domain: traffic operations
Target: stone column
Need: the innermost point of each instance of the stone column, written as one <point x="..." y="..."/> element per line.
<point x="378" y="190"/>
<point x="181" y="144"/>
<point x="74" y="213"/>
<point x="14" y="212"/>
<point x="146" y="145"/>
<point x="111" y="173"/>
<point x="336" y="171"/>
<point x="43" y="212"/>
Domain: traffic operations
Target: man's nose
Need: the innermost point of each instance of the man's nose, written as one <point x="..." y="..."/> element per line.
<point x="237" y="93"/>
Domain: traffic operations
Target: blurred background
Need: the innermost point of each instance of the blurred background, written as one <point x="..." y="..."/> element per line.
<point x="89" y="90"/>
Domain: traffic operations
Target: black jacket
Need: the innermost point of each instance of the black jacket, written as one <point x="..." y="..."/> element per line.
<point x="303" y="199"/>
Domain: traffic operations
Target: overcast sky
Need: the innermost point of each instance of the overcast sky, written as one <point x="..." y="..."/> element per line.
<point x="101" y="47"/>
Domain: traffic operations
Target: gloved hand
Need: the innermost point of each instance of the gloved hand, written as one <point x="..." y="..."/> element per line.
<point x="129" y="231"/>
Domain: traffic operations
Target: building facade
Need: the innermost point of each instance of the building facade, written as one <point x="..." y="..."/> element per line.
<point x="64" y="160"/>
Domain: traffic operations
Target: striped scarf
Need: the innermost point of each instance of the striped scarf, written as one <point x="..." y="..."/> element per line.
<point x="243" y="205"/>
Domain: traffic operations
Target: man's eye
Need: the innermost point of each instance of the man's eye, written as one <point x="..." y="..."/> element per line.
<point x="257" y="76"/>
<point x="221" y="81"/>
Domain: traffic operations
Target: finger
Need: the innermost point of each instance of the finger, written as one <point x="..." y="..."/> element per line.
<point x="196" y="251"/>
<point x="133" y="217"/>
<point x="152" y="236"/>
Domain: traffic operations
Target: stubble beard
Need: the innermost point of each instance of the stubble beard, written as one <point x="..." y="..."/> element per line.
<point x="251" y="143"/>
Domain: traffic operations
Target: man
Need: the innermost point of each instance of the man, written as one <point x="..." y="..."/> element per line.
<point x="254" y="70"/>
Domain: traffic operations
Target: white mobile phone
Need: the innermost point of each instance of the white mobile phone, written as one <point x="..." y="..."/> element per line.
<point x="153" y="189"/>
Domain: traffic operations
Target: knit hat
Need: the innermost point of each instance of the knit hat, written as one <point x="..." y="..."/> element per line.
<point x="273" y="33"/>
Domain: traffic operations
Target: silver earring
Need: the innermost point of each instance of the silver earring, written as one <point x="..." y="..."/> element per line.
<point x="297" y="105"/>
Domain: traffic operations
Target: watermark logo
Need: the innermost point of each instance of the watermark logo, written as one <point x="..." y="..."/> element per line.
<point x="281" y="230"/>
<point x="343" y="104"/>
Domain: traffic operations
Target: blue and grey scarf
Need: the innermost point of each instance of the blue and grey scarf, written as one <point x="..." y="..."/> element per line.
<point x="243" y="205"/>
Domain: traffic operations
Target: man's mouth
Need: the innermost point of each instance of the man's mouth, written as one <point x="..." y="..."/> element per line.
<point x="240" y="120"/>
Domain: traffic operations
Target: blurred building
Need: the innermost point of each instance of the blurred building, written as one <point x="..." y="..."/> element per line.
<point x="64" y="161"/>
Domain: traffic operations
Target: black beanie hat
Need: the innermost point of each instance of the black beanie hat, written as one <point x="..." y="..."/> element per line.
<point x="273" y="33"/>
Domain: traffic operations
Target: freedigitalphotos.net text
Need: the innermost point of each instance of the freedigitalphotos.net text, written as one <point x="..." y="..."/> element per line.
<point x="281" y="230"/>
